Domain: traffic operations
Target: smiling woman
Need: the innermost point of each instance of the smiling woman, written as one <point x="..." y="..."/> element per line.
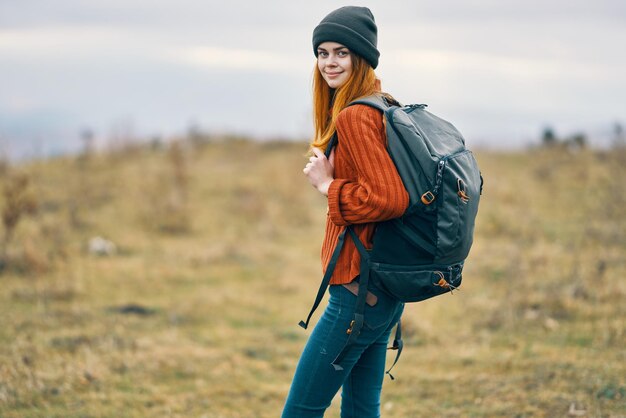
<point x="363" y="188"/>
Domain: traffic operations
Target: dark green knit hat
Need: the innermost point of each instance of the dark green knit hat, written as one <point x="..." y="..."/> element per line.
<point x="353" y="27"/>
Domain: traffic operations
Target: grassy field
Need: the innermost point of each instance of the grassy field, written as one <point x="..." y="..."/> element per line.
<point x="217" y="259"/>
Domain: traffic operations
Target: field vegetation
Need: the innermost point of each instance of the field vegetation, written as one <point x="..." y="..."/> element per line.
<point x="212" y="258"/>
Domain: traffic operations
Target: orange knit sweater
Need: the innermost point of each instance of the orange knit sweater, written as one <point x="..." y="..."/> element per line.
<point x="366" y="188"/>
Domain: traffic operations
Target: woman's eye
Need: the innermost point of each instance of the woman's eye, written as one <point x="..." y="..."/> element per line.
<point x="343" y="53"/>
<point x="323" y="54"/>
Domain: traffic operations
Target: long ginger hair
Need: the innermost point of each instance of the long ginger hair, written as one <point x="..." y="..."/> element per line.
<point x="362" y="82"/>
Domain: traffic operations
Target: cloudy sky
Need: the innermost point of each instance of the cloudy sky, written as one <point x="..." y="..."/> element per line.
<point x="500" y="70"/>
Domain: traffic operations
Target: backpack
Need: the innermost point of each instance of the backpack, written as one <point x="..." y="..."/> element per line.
<point x="420" y="254"/>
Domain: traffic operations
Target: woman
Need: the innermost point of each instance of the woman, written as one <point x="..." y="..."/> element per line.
<point x="363" y="187"/>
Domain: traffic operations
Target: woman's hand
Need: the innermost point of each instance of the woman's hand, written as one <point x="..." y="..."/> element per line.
<point x="319" y="170"/>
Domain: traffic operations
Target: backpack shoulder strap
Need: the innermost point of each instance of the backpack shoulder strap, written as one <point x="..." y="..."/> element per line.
<point x="331" y="144"/>
<point x="326" y="279"/>
<point x="378" y="101"/>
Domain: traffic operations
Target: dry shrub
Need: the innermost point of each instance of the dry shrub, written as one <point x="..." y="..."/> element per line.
<point x="19" y="201"/>
<point x="32" y="259"/>
<point x="166" y="214"/>
<point x="33" y="242"/>
<point x="39" y="251"/>
<point x="180" y="176"/>
<point x="168" y="209"/>
<point x="82" y="191"/>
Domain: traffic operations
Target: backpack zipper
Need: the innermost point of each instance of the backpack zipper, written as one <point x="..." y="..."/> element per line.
<point x="439" y="177"/>
<point x="412" y="107"/>
<point x="441" y="165"/>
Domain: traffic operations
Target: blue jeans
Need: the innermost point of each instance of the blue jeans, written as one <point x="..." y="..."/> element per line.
<point x="316" y="381"/>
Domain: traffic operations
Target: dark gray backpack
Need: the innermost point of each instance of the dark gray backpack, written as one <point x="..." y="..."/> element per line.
<point x="420" y="254"/>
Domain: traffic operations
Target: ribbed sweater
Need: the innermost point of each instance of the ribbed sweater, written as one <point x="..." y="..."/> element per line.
<point x="366" y="188"/>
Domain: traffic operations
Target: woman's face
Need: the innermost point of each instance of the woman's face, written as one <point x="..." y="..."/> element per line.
<point x="335" y="63"/>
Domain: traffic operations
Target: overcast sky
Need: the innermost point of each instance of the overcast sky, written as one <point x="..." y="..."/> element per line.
<point x="499" y="70"/>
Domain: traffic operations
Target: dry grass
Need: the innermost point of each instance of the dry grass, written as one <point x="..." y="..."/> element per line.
<point x="203" y="323"/>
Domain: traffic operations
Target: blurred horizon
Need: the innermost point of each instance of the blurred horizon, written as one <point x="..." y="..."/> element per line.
<point x="500" y="71"/>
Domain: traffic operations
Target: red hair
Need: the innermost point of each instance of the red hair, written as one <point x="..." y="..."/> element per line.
<point x="362" y="82"/>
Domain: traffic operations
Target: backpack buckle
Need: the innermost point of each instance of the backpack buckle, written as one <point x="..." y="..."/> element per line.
<point x="442" y="282"/>
<point x="462" y="191"/>
<point x="349" y="330"/>
<point x="428" y="198"/>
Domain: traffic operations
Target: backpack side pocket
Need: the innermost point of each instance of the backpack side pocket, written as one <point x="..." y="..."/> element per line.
<point x="416" y="283"/>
